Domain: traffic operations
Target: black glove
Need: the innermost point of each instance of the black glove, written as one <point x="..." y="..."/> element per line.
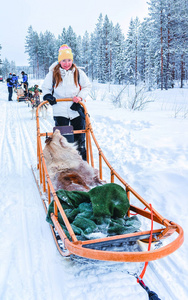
<point x="77" y="107"/>
<point x="9" y="81"/>
<point x="51" y="99"/>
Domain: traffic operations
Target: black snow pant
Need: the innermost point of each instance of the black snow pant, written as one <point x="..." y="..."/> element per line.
<point x="78" y="124"/>
<point x="10" y="89"/>
<point x="26" y="88"/>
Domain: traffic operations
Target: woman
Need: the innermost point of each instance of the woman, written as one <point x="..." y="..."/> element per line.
<point x="64" y="80"/>
<point x="10" y="86"/>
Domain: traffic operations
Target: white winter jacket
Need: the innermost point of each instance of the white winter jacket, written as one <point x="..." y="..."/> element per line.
<point x="66" y="89"/>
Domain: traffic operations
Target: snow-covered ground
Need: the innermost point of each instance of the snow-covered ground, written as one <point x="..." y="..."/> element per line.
<point x="148" y="148"/>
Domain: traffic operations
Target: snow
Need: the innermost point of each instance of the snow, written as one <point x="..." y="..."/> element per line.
<point x="148" y="148"/>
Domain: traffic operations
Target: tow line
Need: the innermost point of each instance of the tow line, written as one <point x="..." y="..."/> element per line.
<point x="152" y="295"/>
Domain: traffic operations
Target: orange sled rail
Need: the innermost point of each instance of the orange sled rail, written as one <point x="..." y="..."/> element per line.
<point x="93" y="249"/>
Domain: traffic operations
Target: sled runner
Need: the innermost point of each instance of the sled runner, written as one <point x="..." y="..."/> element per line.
<point x="120" y="247"/>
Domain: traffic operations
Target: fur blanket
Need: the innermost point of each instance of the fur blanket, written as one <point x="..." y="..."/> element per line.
<point x="93" y="208"/>
<point x="65" y="166"/>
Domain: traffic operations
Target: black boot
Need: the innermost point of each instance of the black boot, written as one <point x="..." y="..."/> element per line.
<point x="81" y="146"/>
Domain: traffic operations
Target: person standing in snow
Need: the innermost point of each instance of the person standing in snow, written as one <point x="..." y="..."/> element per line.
<point x="25" y="81"/>
<point x="65" y="80"/>
<point x="10" y="86"/>
<point x="15" y="80"/>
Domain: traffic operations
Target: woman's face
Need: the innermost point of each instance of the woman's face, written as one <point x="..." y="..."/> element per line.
<point x="66" y="64"/>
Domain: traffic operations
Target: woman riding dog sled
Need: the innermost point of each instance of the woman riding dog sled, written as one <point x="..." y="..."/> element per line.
<point x="65" y="80"/>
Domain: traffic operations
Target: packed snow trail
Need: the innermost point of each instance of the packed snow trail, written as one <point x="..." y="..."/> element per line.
<point x="31" y="266"/>
<point x="24" y="268"/>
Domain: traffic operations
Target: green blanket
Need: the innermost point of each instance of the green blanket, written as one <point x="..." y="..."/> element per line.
<point x="97" y="213"/>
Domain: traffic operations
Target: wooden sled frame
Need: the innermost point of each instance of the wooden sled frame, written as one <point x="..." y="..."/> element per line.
<point x="84" y="248"/>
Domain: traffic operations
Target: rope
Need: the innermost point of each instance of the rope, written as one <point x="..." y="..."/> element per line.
<point x="149" y="245"/>
<point x="152" y="295"/>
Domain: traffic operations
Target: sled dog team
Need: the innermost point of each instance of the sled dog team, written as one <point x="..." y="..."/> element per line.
<point x="34" y="98"/>
<point x="30" y="95"/>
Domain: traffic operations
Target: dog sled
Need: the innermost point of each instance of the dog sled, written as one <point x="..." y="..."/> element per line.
<point x="167" y="235"/>
<point x="22" y="94"/>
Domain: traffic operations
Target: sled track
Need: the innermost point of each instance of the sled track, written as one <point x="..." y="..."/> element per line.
<point x="160" y="272"/>
<point x="17" y="153"/>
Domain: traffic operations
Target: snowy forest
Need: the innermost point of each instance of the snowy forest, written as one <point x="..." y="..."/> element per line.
<point x="154" y="51"/>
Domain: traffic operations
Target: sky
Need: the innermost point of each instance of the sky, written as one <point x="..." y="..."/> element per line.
<point x="54" y="15"/>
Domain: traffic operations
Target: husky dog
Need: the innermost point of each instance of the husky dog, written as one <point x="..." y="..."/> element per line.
<point x="42" y="111"/>
<point x="66" y="167"/>
<point x="35" y="101"/>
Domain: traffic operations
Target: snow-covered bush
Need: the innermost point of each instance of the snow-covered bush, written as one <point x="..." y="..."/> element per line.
<point x="138" y="98"/>
<point x="130" y="97"/>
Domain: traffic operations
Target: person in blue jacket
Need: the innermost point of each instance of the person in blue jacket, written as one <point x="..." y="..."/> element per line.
<point x="25" y="81"/>
<point x="10" y="86"/>
<point x="15" y="80"/>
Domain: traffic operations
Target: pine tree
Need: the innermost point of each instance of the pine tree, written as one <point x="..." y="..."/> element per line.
<point x="80" y="52"/>
<point x="118" y="56"/>
<point x="5" y="68"/>
<point x="170" y="26"/>
<point x="147" y="54"/>
<point x="155" y="36"/>
<point x="13" y="66"/>
<point x="106" y="50"/>
<point x="179" y="39"/>
<point x="86" y="52"/>
<point x="50" y="53"/>
<point x="72" y="43"/>
<point x="98" y="40"/>
<point x="31" y="47"/>
<point x="155" y="51"/>
<point x="93" y="65"/>
<point x="131" y="51"/>
<point x="29" y="44"/>
<point x="143" y="46"/>
<point x="62" y="38"/>
<point x="41" y="55"/>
